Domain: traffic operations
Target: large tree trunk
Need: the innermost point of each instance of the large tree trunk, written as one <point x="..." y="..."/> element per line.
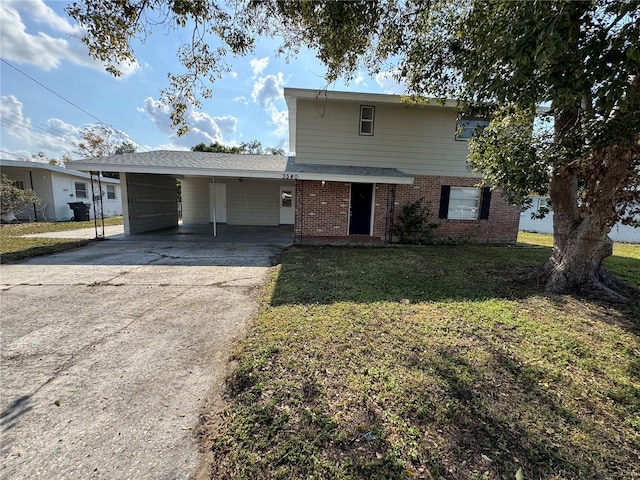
<point x="581" y="226"/>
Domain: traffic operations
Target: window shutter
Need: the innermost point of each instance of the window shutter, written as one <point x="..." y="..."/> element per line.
<point x="444" y="201"/>
<point x="486" y="202"/>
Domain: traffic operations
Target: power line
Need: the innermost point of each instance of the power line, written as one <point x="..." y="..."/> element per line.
<point x="63" y="98"/>
<point x="9" y="153"/>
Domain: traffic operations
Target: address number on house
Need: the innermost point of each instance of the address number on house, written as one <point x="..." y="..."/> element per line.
<point x="289" y="176"/>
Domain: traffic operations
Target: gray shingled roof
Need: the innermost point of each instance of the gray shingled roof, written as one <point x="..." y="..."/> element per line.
<point x="227" y="164"/>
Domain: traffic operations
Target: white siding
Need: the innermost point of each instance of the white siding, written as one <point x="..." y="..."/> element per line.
<point x="195" y="200"/>
<point x="419" y="141"/>
<point x="619" y="232"/>
<point x="252" y="202"/>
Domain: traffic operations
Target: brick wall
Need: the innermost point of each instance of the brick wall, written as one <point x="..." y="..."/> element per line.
<point x="323" y="211"/>
<point x="501" y="226"/>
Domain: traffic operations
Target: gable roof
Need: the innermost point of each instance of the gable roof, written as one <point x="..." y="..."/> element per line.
<point x="213" y="164"/>
<point x="52" y="168"/>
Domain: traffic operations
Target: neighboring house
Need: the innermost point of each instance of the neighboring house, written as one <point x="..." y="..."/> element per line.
<point x="358" y="159"/>
<point x="57" y="187"/>
<point x="619" y="232"/>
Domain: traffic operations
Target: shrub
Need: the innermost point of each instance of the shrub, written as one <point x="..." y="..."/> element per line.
<point x="413" y="226"/>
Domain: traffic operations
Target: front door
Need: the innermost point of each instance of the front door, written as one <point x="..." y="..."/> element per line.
<point x="287" y="207"/>
<point x="219" y="203"/>
<point x="360" y="211"/>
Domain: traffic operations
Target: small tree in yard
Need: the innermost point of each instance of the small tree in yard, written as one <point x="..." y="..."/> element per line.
<point x="413" y="226"/>
<point x="581" y="58"/>
<point x="13" y="198"/>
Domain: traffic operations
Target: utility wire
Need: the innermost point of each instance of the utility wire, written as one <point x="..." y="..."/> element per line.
<point x="9" y="153"/>
<point x="63" y="98"/>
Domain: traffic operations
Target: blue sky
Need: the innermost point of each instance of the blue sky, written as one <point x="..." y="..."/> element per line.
<point x="39" y="39"/>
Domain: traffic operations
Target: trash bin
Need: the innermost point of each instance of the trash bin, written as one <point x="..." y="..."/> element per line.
<point x="80" y="211"/>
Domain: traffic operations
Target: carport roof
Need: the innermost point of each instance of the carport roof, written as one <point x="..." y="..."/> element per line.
<point x="210" y="164"/>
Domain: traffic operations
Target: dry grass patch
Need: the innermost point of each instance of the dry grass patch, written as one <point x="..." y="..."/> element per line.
<point x="438" y="362"/>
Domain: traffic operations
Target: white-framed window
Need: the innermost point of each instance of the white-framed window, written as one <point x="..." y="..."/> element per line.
<point x="468" y="127"/>
<point x="111" y="192"/>
<point x="544" y="204"/>
<point x="366" y="120"/>
<point x="18" y="184"/>
<point x="81" y="190"/>
<point x="464" y="203"/>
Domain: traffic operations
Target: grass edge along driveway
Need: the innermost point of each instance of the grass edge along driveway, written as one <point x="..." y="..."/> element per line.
<point x="435" y="362"/>
<point x="14" y="246"/>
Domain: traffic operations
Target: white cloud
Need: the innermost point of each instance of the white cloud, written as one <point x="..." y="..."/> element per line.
<point x="359" y="80"/>
<point x="243" y="100"/>
<point x="55" y="137"/>
<point x="258" y="65"/>
<point x="202" y="127"/>
<point x="267" y="90"/>
<point x="45" y="50"/>
<point x="389" y="84"/>
<point x="234" y="74"/>
<point x="280" y="119"/>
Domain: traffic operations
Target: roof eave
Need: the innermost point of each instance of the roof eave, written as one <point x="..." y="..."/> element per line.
<point x="258" y="174"/>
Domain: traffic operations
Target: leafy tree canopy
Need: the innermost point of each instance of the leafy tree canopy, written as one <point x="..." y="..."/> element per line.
<point x="125" y="147"/>
<point x="253" y="147"/>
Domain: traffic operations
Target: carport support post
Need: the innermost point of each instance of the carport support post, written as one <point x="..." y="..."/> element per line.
<point x="213" y="205"/>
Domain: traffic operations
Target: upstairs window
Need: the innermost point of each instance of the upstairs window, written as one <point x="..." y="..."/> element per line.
<point x="111" y="192"/>
<point x="81" y="190"/>
<point x="19" y="184"/>
<point x="469" y="127"/>
<point x="366" y="120"/>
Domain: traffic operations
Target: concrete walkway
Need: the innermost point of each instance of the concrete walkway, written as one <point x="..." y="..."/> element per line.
<point x="109" y="351"/>
<point x="82" y="233"/>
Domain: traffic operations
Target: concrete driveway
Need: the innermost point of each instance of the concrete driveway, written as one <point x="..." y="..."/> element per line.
<point x="109" y="351"/>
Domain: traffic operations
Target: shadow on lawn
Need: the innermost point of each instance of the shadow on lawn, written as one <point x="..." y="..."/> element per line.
<point x="447" y="416"/>
<point x="326" y="275"/>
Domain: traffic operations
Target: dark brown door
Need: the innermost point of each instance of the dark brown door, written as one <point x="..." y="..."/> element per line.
<point x="360" y="212"/>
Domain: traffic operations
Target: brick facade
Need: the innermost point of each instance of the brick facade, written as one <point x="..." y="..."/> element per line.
<point x="322" y="212"/>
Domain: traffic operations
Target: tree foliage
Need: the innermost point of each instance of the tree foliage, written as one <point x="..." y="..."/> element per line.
<point x="125" y="147"/>
<point x="13" y="198"/>
<point x="102" y="141"/>
<point x="253" y="147"/>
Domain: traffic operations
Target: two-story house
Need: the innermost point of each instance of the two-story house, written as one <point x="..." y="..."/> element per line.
<point x="358" y="158"/>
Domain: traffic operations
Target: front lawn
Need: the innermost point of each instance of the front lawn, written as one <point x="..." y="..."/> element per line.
<point x="14" y="246"/>
<point x="426" y="363"/>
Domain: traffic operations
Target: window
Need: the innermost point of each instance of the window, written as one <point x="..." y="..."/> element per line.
<point x="467" y="128"/>
<point x="111" y="192"/>
<point x="544" y="204"/>
<point x="464" y="203"/>
<point x="19" y="184"/>
<point x="366" y="120"/>
<point x="286" y="197"/>
<point x="81" y="190"/>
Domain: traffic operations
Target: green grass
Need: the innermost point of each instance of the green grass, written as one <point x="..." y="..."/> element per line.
<point x="625" y="261"/>
<point x="14" y="246"/>
<point x="425" y="363"/>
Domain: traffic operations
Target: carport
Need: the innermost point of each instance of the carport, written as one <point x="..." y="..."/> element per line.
<point x="216" y="189"/>
<point x="223" y="189"/>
